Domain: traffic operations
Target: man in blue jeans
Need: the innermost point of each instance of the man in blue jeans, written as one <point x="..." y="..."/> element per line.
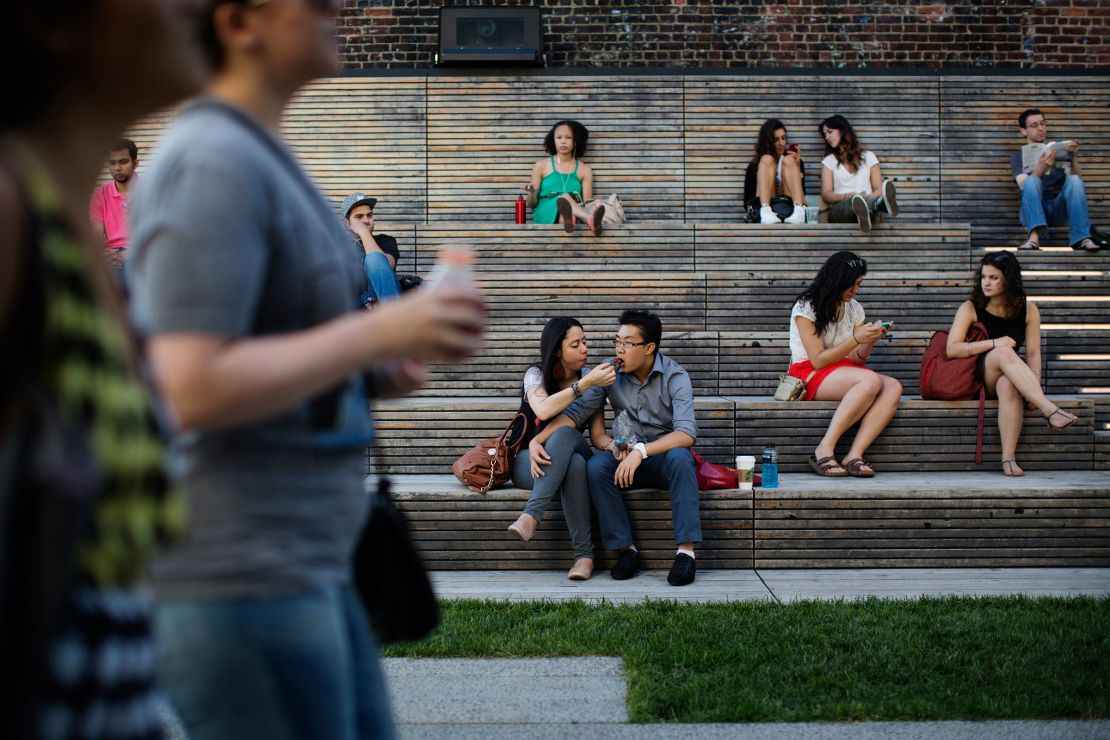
<point x="658" y="397"/>
<point x="378" y="253"/>
<point x="1049" y="195"/>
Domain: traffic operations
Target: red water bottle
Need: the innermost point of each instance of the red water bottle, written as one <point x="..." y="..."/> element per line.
<point x="520" y="209"/>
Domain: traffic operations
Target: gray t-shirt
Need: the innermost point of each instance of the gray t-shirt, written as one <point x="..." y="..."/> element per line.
<point x="231" y="238"/>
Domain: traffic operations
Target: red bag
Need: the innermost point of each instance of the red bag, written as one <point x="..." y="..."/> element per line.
<point x="945" y="379"/>
<point x="713" y="477"/>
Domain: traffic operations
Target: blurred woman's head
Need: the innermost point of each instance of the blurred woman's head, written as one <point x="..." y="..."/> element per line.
<point x="290" y="41"/>
<point x="563" y="351"/>
<point x="567" y="137"/>
<point x="836" y="282"/>
<point x="999" y="277"/>
<point x="113" y="60"/>
<point x="841" y="141"/>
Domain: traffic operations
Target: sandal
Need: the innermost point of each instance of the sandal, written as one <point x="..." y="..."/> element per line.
<point x="595" y="219"/>
<point x="1065" y="414"/>
<point x="566" y="213"/>
<point x="826" y="464"/>
<point x="1030" y="244"/>
<point x="1008" y="467"/>
<point x="854" y="466"/>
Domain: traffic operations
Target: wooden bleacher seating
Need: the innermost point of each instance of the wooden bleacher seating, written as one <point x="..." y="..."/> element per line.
<point x="447" y="155"/>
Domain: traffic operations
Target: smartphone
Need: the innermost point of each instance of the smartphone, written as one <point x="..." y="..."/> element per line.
<point x="885" y="324"/>
<point x="792" y="148"/>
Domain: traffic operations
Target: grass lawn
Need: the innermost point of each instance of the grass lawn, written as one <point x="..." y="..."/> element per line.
<point x="950" y="658"/>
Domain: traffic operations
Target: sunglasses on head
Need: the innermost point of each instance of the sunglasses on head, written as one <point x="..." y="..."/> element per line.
<point x="857" y="263"/>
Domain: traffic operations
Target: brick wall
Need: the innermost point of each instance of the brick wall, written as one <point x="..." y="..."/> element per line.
<point x="1043" y="34"/>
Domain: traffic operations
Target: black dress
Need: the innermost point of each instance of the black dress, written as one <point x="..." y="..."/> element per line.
<point x="998" y="327"/>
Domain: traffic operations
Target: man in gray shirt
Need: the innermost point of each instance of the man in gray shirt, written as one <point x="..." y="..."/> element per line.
<point x="658" y="398"/>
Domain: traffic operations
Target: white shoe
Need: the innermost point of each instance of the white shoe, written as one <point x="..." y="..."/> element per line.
<point x="767" y="216"/>
<point x="798" y="216"/>
<point x="863" y="213"/>
<point x="889" y="198"/>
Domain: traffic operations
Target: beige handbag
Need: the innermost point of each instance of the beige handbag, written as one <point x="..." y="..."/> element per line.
<point x="791" y="388"/>
<point x="614" y="210"/>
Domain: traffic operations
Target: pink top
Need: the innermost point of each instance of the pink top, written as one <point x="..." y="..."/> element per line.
<point x="109" y="207"/>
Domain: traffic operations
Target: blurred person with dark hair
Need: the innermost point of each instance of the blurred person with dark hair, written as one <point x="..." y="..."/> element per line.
<point x="110" y="202"/>
<point x="244" y="282"/>
<point x="83" y="494"/>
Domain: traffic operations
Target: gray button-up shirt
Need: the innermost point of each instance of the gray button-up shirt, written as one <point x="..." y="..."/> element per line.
<point x="663" y="404"/>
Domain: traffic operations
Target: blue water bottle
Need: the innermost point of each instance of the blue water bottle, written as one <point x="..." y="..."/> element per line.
<point x="770" y="467"/>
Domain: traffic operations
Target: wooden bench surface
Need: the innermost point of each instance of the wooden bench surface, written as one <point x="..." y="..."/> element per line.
<point x="893" y="520"/>
<point x="924" y="435"/>
<point x="912" y="248"/>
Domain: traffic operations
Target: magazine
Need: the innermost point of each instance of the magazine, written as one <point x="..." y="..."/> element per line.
<point x="1031" y="153"/>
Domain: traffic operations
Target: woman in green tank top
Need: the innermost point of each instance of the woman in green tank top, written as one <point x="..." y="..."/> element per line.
<point x="562" y="183"/>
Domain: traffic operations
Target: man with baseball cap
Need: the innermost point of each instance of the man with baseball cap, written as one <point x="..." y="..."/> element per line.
<point x="378" y="252"/>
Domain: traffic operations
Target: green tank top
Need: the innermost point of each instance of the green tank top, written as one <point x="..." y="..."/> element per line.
<point x="551" y="187"/>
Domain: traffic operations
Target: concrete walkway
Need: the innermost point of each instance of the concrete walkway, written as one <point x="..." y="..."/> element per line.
<point x="582" y="698"/>
<point x="775" y="585"/>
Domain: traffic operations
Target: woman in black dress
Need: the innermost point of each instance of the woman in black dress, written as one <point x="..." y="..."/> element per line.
<point x="998" y="302"/>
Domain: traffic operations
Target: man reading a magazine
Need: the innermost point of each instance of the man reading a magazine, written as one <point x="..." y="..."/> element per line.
<point x="1049" y="194"/>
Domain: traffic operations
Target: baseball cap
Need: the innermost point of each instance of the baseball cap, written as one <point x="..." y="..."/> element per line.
<point x="357" y="199"/>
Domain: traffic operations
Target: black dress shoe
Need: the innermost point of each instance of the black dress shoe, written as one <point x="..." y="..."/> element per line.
<point x="683" y="570"/>
<point x="627" y="565"/>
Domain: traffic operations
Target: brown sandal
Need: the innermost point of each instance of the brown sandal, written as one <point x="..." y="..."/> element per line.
<point x="853" y="467"/>
<point x="1065" y="414"/>
<point x="826" y="464"/>
<point x="566" y="213"/>
<point x="596" y="219"/>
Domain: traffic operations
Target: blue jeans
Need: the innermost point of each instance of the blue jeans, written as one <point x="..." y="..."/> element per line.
<point x="381" y="281"/>
<point x="673" y="470"/>
<point x="299" y="667"/>
<point x="1070" y="206"/>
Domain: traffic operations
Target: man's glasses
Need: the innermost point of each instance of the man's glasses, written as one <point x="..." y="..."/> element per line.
<point x="857" y="263"/>
<point x="619" y="343"/>
<point x="1036" y="124"/>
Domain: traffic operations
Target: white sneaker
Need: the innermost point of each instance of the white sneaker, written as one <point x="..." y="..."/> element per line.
<point x="798" y="216"/>
<point x="767" y="216"/>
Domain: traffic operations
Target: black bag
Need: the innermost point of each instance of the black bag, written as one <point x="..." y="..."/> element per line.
<point x="389" y="575"/>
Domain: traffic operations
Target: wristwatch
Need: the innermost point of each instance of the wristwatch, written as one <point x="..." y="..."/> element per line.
<point x="642" y="449"/>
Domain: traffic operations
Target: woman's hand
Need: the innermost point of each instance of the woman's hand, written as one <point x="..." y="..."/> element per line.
<point x="601" y="376"/>
<point x="538" y="457"/>
<point x="1003" y="342"/>
<point x="867" y="333"/>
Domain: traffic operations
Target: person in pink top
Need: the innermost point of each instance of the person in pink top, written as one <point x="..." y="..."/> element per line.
<point x="109" y="203"/>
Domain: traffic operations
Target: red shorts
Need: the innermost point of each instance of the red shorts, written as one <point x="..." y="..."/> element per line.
<point x="801" y="371"/>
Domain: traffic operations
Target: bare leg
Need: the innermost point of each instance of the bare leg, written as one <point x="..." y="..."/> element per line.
<point x="876" y="418"/>
<point x="856" y="389"/>
<point x="1005" y="361"/>
<point x="792" y="180"/>
<point x="1011" y="414"/>
<point x="765" y="179"/>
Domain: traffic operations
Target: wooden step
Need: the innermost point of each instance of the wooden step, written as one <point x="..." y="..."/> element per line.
<point x="893" y="520"/>
<point x="426" y="435"/>
<point x="923" y="436"/>
<point x="659" y="246"/>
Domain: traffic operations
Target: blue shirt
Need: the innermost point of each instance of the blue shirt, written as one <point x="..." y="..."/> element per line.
<point x="659" y="406"/>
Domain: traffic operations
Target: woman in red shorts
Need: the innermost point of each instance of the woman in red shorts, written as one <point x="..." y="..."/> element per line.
<point x="829" y="346"/>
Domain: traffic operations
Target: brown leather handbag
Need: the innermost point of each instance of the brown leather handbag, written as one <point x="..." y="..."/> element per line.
<point x="490" y="462"/>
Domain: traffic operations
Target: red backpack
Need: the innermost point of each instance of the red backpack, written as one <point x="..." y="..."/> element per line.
<point x="945" y="379"/>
